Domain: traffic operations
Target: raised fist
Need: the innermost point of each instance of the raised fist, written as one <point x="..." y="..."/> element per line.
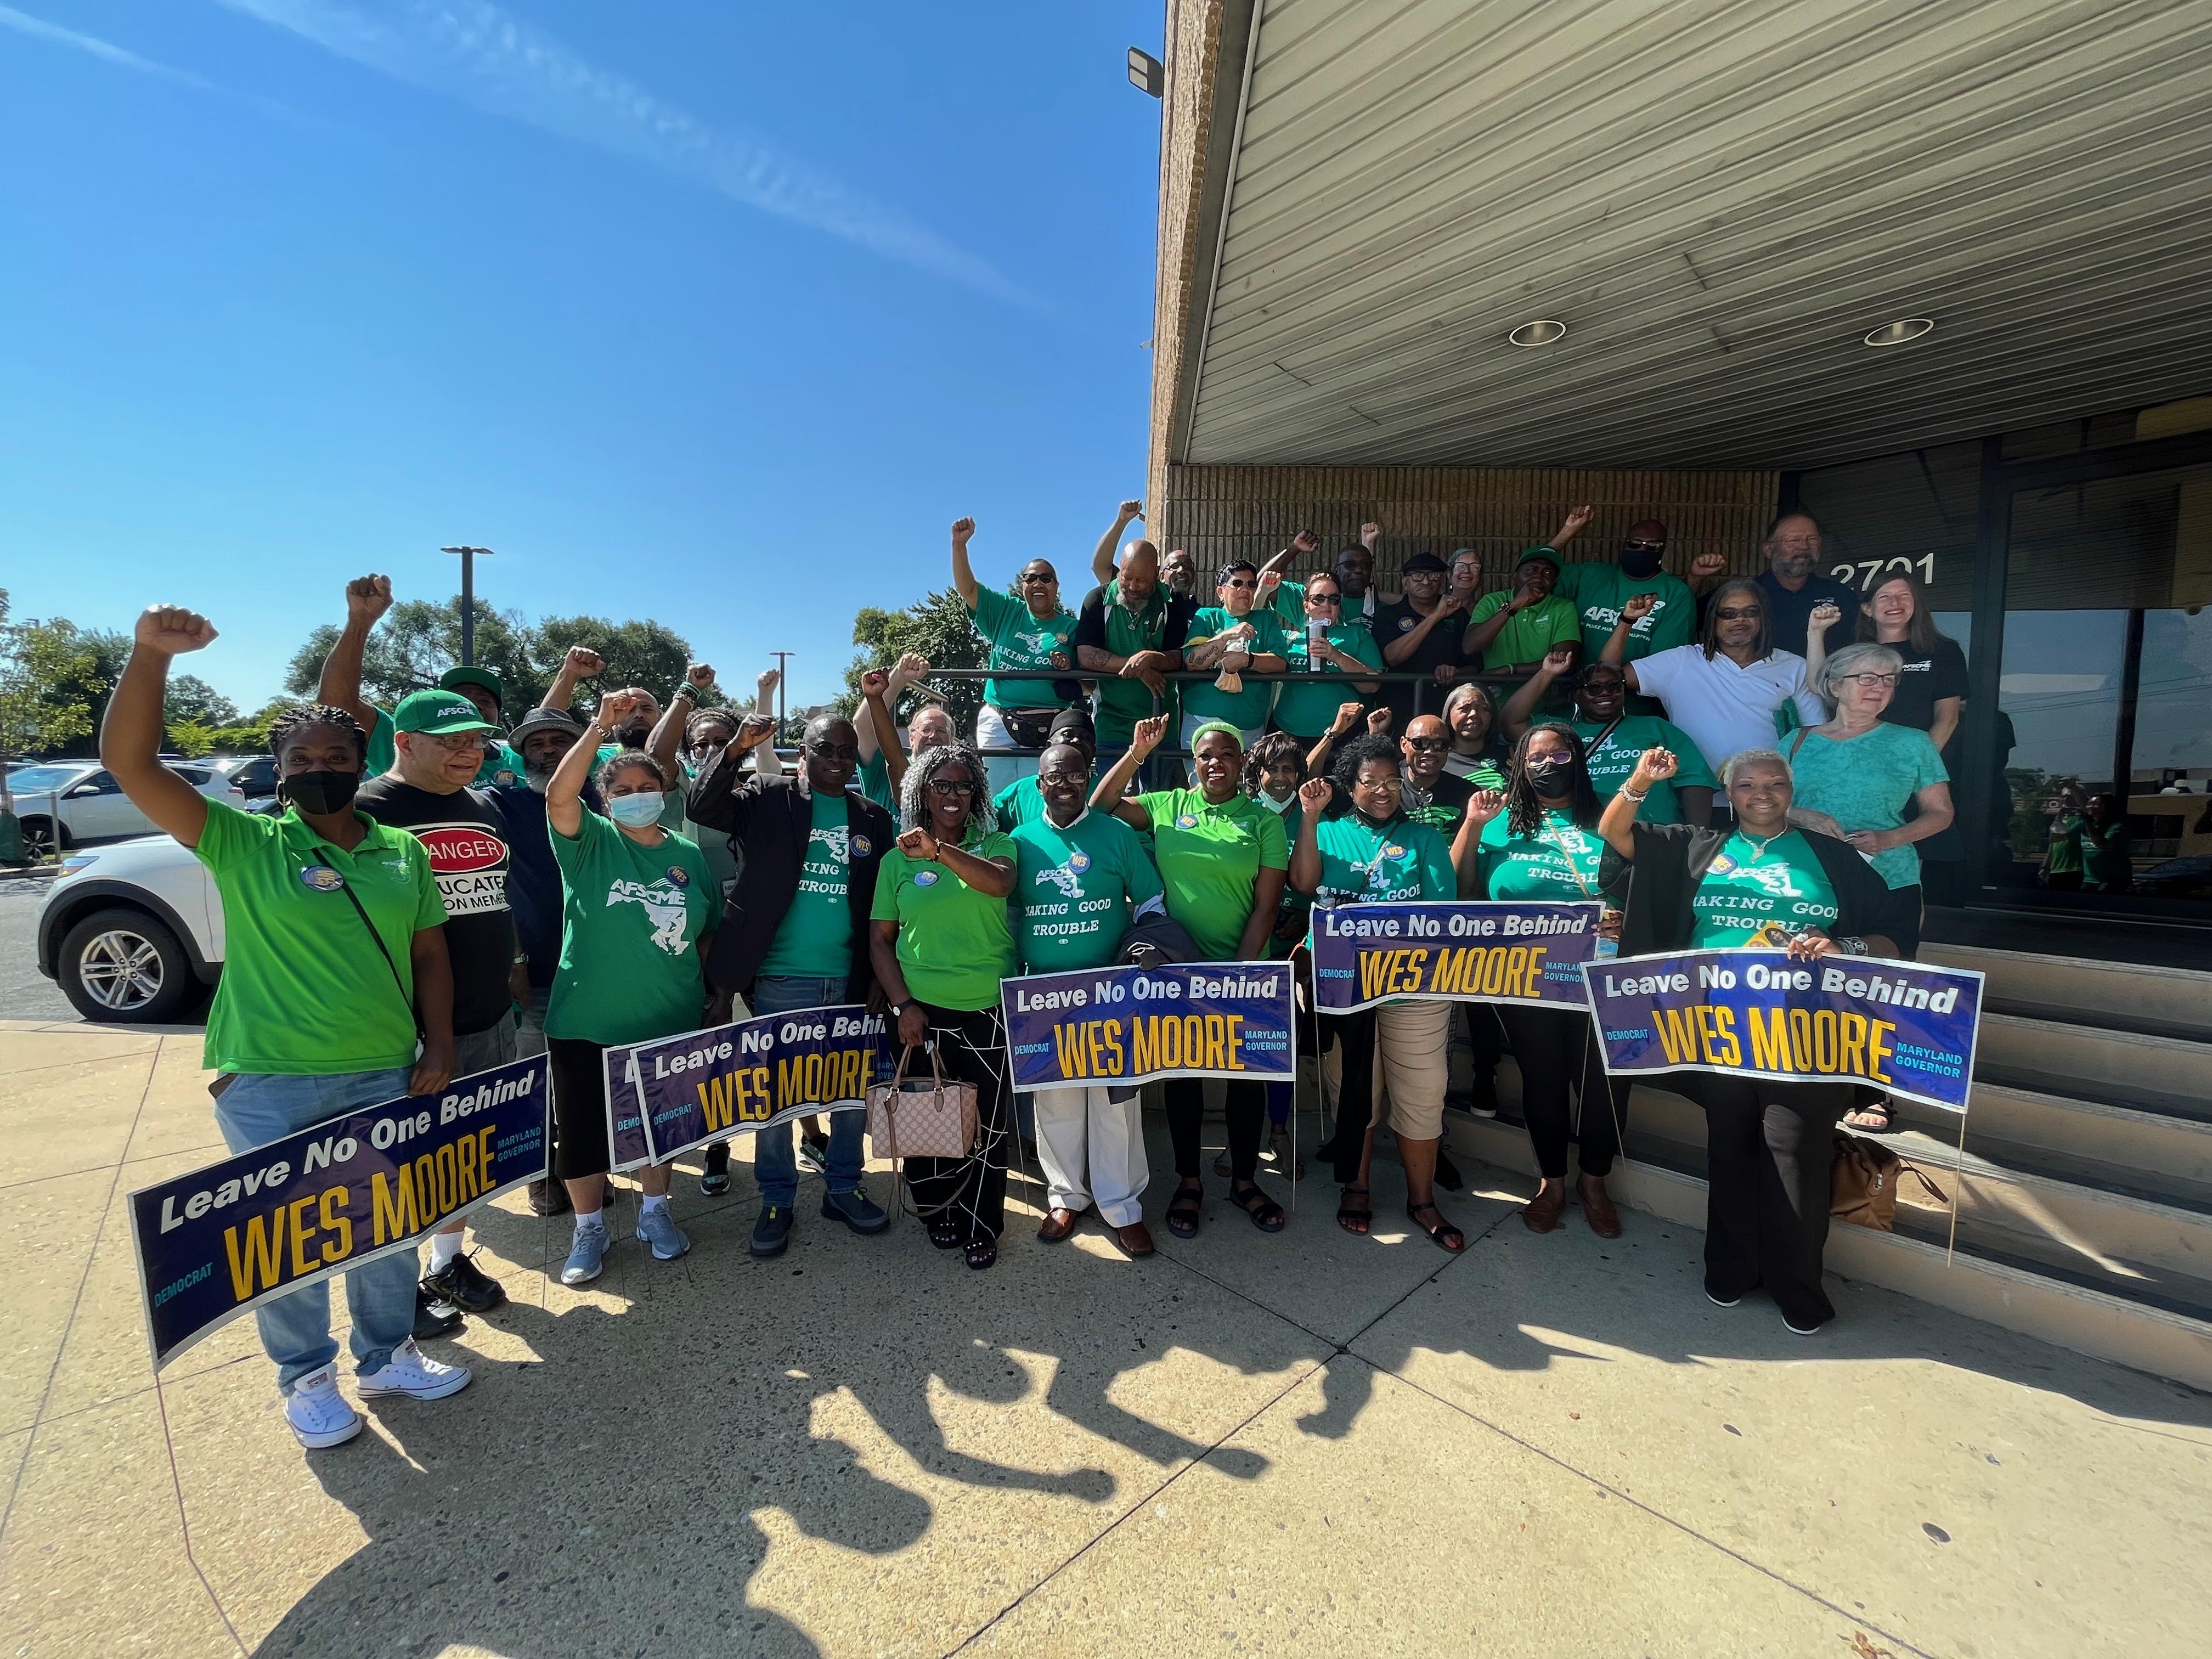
<point x="1146" y="735"/>
<point x="171" y="631"/>
<point x="908" y="669"/>
<point x="767" y="680"/>
<point x="1131" y="510"/>
<point x="874" y="683"/>
<point x="1314" y="794"/>
<point x="918" y="844"/>
<point x="1639" y="606"/>
<point x="1655" y="766"/>
<point x="367" y="597"/>
<point x="1306" y="542"/>
<point x="1347" y="716"/>
<point x="1369" y="533"/>
<point x="1379" y="722"/>
<point x="1709" y="566"/>
<point x="962" y="530"/>
<point x="1827" y="614"/>
<point x="615" y="708"/>
<point x="1577" y="520"/>
<point x="585" y="662"/>
<point x="1557" y="660"/>
<point x="699" y="676"/>
<point x="1485" y="804"/>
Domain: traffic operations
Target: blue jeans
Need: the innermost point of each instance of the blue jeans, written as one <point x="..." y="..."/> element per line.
<point x="774" y="1165"/>
<point x="295" y="1330"/>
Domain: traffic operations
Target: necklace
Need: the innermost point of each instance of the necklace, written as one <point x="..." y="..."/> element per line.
<point x="1758" y="848"/>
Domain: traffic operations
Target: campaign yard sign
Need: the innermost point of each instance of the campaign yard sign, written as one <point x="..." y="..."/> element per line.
<point x="1900" y="1026"/>
<point x="1124" y="1026"/>
<point x="675" y="1093"/>
<point x="1511" y="950"/>
<point x="217" y="1243"/>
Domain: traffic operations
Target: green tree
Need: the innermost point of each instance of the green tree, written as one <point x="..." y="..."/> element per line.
<point x="191" y="701"/>
<point x="52" y="687"/>
<point x="190" y="739"/>
<point x="418" y="640"/>
<point x="648" y="653"/>
<point x="249" y="736"/>
<point x="938" y="627"/>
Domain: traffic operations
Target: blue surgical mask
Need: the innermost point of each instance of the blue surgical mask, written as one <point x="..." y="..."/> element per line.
<point x="634" y="811"/>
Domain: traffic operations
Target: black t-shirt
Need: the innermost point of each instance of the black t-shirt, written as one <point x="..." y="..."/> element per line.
<point x="1391" y="623"/>
<point x="1442" y="808"/>
<point x="1789" y="615"/>
<point x="467" y="839"/>
<point x="1923" y="679"/>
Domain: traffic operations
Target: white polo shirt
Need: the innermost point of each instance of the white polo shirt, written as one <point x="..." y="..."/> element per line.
<point x="1725" y="708"/>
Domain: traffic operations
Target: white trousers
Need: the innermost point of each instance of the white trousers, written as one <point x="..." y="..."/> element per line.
<point x="990" y="734"/>
<point x="1082" y="1131"/>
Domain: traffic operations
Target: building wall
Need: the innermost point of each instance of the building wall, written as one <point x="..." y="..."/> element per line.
<point x="1221" y="512"/>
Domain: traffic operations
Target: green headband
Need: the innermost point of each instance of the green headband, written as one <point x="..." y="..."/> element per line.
<point x="1218" y="726"/>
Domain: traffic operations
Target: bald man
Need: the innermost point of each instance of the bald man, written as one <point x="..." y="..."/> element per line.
<point x="1130" y="634"/>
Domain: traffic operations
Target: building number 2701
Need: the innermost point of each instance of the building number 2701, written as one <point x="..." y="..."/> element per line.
<point x="1869" y="571"/>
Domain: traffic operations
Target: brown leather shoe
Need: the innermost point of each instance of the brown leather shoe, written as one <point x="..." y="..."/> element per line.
<point x="1058" y="1223"/>
<point x="1542" y="1212"/>
<point x="1134" y="1240"/>
<point x="1597" y="1209"/>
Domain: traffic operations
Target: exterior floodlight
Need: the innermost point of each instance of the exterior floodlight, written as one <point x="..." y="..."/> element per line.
<point x="1147" y="73"/>
<point x="1537" y="334"/>
<point x="1903" y="332"/>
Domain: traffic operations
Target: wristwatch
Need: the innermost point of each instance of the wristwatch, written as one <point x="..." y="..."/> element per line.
<point x="899" y="1009"/>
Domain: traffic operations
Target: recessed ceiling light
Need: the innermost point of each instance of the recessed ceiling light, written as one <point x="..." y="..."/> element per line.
<point x="1536" y="334"/>
<point x="1903" y="332"/>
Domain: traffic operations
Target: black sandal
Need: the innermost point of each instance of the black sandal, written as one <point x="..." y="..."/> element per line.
<point x="981" y="1253"/>
<point x="1443" y="1233"/>
<point x="1876" y="1117"/>
<point x="1184" y="1210"/>
<point x="945" y="1233"/>
<point x="1267" y="1214"/>
<point x="1346" y="1215"/>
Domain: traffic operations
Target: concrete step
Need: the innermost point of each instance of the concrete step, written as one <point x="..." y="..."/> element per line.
<point x="2162" y="1074"/>
<point x="2156" y="1001"/>
<point x="2122" y="1146"/>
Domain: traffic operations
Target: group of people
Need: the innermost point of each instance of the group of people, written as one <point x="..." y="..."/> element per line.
<point x="564" y="883"/>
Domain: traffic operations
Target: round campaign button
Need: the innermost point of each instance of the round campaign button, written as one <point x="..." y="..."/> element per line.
<point x="925" y="878"/>
<point x="1187" y="821"/>
<point x="1392" y="850"/>
<point x="321" y="879"/>
<point x="679" y="875"/>
<point x="1078" y="860"/>
<point x="862" y="847"/>
<point x="1405" y="625"/>
<point x="1723" y="863"/>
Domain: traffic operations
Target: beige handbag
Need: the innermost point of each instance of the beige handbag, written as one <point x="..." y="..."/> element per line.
<point x="1863" y="1185"/>
<point x="906" y="1120"/>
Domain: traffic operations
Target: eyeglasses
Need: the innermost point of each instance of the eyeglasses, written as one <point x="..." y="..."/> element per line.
<point x="1870" y="679"/>
<point x="1738" y="613"/>
<point x="1609" y="683"/>
<point x="951" y="788"/>
<point x="1323" y="599"/>
<point x="1426" y="743"/>
<point x="454" y="743"/>
<point x="843" y="751"/>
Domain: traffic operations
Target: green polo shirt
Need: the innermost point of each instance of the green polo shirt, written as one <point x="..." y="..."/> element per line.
<point x="1612" y="762"/>
<point x="955" y="944"/>
<point x="631" y="920"/>
<point x="1209" y="858"/>
<point x="814" y="940"/>
<point x="1020" y="640"/>
<point x="302" y="992"/>
<point x="1305" y="706"/>
<point x="1598" y="592"/>
<point x="1074" y="889"/>
<point x="501" y="764"/>
<point x="1244" y="710"/>
<point x="1382" y="863"/>
<point x="1529" y="635"/>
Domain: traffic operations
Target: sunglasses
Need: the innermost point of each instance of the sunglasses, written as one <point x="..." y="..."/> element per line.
<point x="841" y="751"/>
<point x="1240" y="581"/>
<point x="1324" y="599"/>
<point x="1031" y="579"/>
<point x="1646" y="546"/>
<point x="1428" y="743"/>
<point x="1738" y="613"/>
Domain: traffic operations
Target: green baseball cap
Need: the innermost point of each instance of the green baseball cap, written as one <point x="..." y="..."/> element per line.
<point x="437" y="713"/>
<point x="453" y="678"/>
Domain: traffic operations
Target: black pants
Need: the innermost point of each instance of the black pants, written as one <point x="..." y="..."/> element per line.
<point x="580" y="1108"/>
<point x="1769" y="1149"/>
<point x="1246" y="1109"/>
<point x="1486" y="1036"/>
<point x="1354" y="1034"/>
<point x="971" y="1191"/>
<point x="1559" y="1056"/>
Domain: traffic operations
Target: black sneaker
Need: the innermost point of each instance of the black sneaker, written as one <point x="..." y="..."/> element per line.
<point x="466" y="1286"/>
<point x="772" y="1230"/>
<point x="716" y="1180"/>
<point x="548" y="1197"/>
<point x="433" y="1318"/>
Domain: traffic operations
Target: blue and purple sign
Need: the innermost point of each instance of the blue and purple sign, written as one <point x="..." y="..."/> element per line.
<point x="1515" y="950"/>
<point x="1124" y="1026"/>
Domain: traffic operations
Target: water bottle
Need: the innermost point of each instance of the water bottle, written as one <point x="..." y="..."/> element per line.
<point x="1317" y="636"/>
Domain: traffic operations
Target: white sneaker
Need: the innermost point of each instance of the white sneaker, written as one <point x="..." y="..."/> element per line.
<point x="588" y="1253"/>
<point x="318" y="1413"/>
<point x="414" y="1374"/>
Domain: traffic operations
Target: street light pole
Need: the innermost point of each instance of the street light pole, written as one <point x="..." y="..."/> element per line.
<point x="468" y="599"/>
<point x="782" y="685"/>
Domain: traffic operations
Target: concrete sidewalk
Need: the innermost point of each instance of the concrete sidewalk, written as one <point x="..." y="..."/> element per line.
<point x="1304" y="1443"/>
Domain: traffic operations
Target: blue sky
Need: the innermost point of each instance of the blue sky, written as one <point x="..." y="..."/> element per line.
<point x="713" y="312"/>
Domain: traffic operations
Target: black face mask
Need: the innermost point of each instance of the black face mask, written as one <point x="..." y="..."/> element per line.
<point x="318" y="792"/>
<point x="1638" y="562"/>
<point x="1550" y="778"/>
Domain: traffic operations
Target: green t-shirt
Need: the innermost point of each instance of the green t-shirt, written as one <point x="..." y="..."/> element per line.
<point x="501" y="764"/>
<point x="2065" y="855"/>
<point x="814" y="940"/>
<point x="1019" y="803"/>
<point x="1599" y="590"/>
<point x="955" y="944"/>
<point x="1529" y="635"/>
<point x="1074" y="889"/>
<point x="1752" y="883"/>
<point x="1611" y="762"/>
<point x="302" y="992"/>
<point x="631" y="919"/>
<point x="1245" y="709"/>
<point x="1209" y="858"/>
<point x="2105" y="862"/>
<point x="1379" y="864"/>
<point x="875" y="781"/>
<point x="1558" y="862"/>
<point x="1305" y="706"/>
<point x="1865" y="783"/>
<point x="1018" y="640"/>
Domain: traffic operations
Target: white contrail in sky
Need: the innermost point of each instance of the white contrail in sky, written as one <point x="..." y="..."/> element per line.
<point x="38" y="29"/>
<point x="471" y="49"/>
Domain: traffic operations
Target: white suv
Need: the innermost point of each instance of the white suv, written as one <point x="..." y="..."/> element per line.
<point x="91" y="805"/>
<point x="133" y="932"/>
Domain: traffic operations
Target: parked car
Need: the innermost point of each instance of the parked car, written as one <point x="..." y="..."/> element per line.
<point x="254" y="774"/>
<point x="91" y="805"/>
<point x="132" y="933"/>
